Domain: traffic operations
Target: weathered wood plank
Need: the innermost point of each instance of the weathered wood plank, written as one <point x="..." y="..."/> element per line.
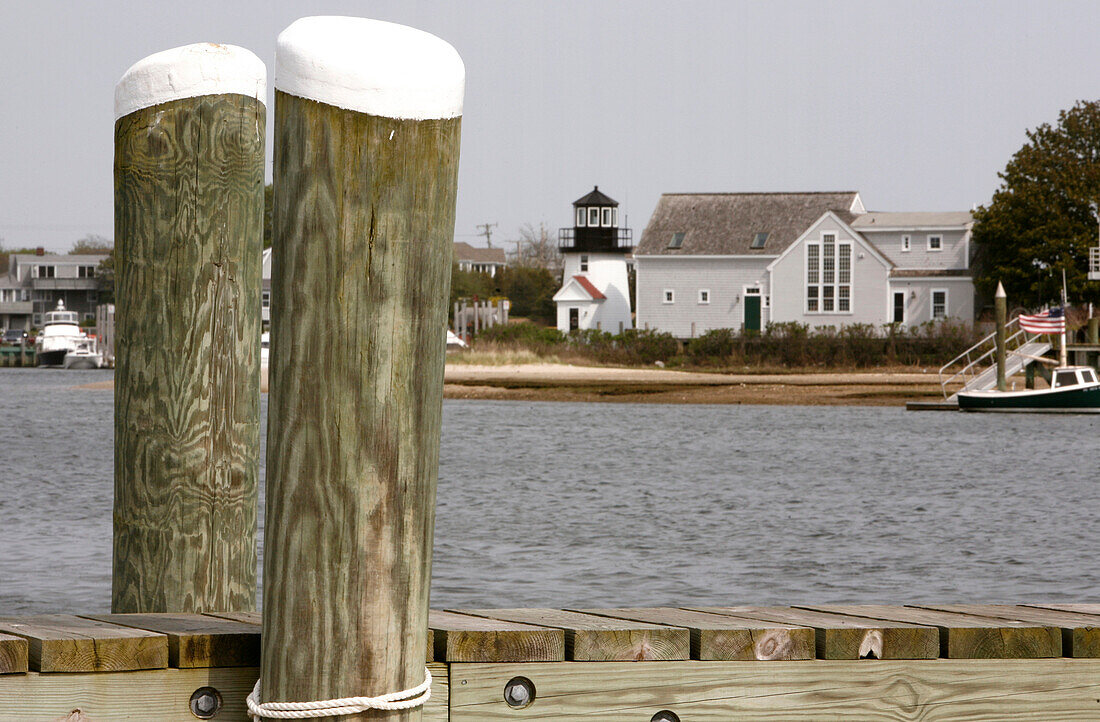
<point x="363" y="231"/>
<point x="590" y="638"/>
<point x="1078" y="608"/>
<point x="189" y="178"/>
<point x="256" y="618"/>
<point x="196" y="640"/>
<point x="725" y="638"/>
<point x="464" y="638"/>
<point x="67" y="643"/>
<point x="940" y="690"/>
<point x="1080" y="632"/>
<point x="161" y="695"/>
<point x="840" y="636"/>
<point x="13" y="654"/>
<point x="965" y="636"/>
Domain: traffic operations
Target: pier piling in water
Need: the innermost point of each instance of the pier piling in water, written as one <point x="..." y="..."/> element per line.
<point x="189" y="170"/>
<point x="1000" y="318"/>
<point x="367" y="119"/>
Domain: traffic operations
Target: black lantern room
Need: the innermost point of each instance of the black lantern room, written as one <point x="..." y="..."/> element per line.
<point x="595" y="227"/>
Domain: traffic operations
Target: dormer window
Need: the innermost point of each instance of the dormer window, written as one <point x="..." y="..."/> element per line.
<point x="593" y="217"/>
<point x="582" y="216"/>
<point x="605" y="221"/>
<point x="676" y="241"/>
<point x="759" y="240"/>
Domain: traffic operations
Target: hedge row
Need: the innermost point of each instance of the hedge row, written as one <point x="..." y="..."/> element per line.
<point x="788" y="344"/>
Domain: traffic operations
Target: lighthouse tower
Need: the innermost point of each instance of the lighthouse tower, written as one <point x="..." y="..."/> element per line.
<point x="595" y="292"/>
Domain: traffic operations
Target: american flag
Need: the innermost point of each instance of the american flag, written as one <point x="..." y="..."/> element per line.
<point x="1052" y="321"/>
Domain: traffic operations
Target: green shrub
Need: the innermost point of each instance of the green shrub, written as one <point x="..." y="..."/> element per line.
<point x="714" y="345"/>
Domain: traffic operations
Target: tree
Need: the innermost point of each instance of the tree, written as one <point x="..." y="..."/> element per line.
<point x="537" y="248"/>
<point x="105" y="278"/>
<point x="1043" y="218"/>
<point x="92" y="244"/>
<point x="531" y="292"/>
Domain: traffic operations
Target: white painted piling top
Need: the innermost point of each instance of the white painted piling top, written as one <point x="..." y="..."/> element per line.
<point x="188" y="72"/>
<point x="370" y="66"/>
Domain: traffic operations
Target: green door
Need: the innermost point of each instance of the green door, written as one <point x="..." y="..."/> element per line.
<point x="752" y="313"/>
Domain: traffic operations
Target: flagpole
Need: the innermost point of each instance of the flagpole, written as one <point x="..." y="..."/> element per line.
<point x="1063" y="354"/>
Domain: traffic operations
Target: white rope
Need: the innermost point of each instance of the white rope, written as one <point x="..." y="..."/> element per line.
<point x="407" y="699"/>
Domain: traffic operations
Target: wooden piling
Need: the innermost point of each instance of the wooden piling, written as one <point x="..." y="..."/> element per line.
<point x="1000" y="315"/>
<point x="365" y="184"/>
<point x="189" y="171"/>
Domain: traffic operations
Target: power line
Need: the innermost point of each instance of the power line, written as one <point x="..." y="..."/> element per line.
<point x="487" y="231"/>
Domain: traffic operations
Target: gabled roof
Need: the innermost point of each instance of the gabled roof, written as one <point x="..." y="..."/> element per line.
<point x="84" y="259"/>
<point x="577" y="288"/>
<point x="858" y="238"/>
<point x="595" y="198"/>
<point x="886" y="221"/>
<point x="466" y="252"/>
<point x="724" y="224"/>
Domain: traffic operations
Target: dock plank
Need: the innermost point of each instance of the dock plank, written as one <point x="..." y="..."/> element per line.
<point x="932" y="690"/>
<point x="968" y="636"/>
<point x="465" y="638"/>
<point x="589" y="638"/>
<point x="717" y="637"/>
<point x="197" y="640"/>
<point x="842" y="636"/>
<point x="1080" y="632"/>
<point x="1076" y="608"/>
<point x="67" y="643"/>
<point x="13" y="654"/>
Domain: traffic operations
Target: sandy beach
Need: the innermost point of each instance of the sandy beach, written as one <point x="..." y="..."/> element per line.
<point x="564" y="382"/>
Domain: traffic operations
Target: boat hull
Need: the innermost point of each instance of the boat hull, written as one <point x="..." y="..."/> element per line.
<point x="1073" y="400"/>
<point x="51" y="358"/>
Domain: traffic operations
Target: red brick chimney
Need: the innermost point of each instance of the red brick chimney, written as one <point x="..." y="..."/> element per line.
<point x="40" y="251"/>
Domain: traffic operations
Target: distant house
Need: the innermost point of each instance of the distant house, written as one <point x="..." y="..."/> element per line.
<point x="743" y="260"/>
<point x="479" y="260"/>
<point x="265" y="289"/>
<point x="35" y="282"/>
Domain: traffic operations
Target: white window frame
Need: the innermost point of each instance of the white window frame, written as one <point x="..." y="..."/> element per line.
<point x="265" y="299"/>
<point x="582" y="217"/>
<point x="614" y="216"/>
<point x="584" y="263"/>
<point x="836" y="284"/>
<point x="904" y="306"/>
<point x="932" y="303"/>
<point x="668" y="296"/>
<point x="605" y="217"/>
<point x="704" y="296"/>
<point x="939" y="238"/>
<point x="593" y="217"/>
<point x="906" y="244"/>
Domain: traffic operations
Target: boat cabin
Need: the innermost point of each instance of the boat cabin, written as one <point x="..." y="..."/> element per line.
<point x="61" y="316"/>
<point x="1073" y="376"/>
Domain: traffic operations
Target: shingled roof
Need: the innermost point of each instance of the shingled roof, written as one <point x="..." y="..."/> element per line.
<point x="724" y="224"/>
<point x="875" y="220"/>
<point x="466" y="252"/>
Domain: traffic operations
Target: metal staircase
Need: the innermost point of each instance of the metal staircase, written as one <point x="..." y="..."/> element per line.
<point x="978" y="370"/>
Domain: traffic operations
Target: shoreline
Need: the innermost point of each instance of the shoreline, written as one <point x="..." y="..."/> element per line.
<point x="564" y="382"/>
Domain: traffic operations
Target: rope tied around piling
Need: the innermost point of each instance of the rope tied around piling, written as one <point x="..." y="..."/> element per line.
<point x="406" y="699"/>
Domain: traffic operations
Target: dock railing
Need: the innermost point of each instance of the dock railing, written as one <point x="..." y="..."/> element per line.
<point x="974" y="361"/>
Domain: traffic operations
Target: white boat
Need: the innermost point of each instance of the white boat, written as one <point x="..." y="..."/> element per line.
<point x="60" y="334"/>
<point x="86" y="355"/>
<point x="454" y="342"/>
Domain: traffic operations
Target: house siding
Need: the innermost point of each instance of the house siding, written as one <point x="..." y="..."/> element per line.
<point x="953" y="255"/>
<point x="870" y="278"/>
<point x="725" y="278"/>
<point x="918" y="298"/>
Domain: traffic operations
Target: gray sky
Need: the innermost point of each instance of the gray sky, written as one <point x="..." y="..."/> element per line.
<point x="917" y="105"/>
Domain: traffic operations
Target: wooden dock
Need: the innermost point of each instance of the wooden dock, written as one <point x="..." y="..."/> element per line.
<point x="705" y="664"/>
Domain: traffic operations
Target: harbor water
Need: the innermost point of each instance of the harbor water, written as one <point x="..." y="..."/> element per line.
<point x="599" y="504"/>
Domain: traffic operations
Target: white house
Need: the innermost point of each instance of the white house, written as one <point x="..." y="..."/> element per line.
<point x="743" y="260"/>
<point x="595" y="292"/>
<point x="479" y="260"/>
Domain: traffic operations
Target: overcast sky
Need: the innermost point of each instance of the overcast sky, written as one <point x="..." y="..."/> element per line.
<point x="917" y="105"/>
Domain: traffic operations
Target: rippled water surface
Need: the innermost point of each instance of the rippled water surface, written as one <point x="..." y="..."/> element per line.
<point x="558" y="504"/>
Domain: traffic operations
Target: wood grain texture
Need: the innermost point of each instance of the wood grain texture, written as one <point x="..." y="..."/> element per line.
<point x="363" y="230"/>
<point x="153" y="696"/>
<point x="1077" y="608"/>
<point x="13" y="654"/>
<point x="463" y="638"/>
<point x="188" y="233"/>
<point x="66" y="643"/>
<point x="965" y="636"/>
<point x="1080" y="632"/>
<point x="938" y="690"/>
<point x="722" y="637"/>
<point x="195" y="640"/>
<point x="591" y="638"/>
<point x="840" y="636"/>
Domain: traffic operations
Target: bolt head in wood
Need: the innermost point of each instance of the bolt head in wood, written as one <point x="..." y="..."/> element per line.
<point x="519" y="692"/>
<point x="206" y="702"/>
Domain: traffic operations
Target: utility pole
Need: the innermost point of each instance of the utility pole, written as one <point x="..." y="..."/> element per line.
<point x="487" y="231"/>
